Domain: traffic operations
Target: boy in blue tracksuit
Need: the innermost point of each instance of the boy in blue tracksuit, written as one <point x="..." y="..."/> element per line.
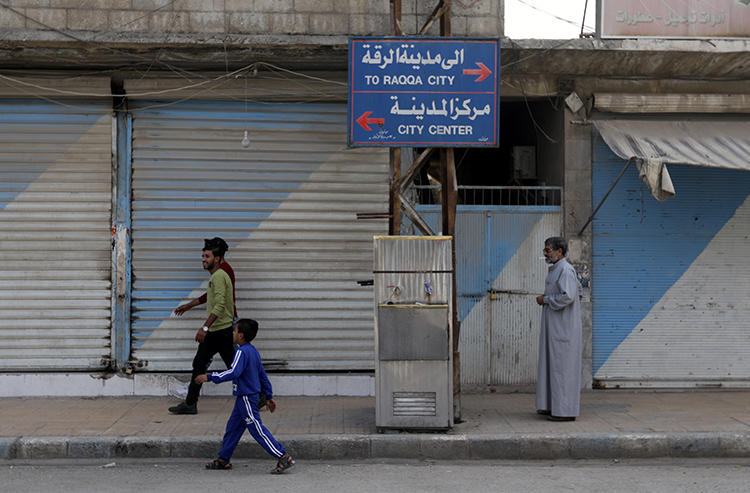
<point x="249" y="382"/>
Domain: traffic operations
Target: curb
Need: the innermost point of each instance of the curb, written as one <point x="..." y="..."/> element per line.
<point x="410" y="446"/>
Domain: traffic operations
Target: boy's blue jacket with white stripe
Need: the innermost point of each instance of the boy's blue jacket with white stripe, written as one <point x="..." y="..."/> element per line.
<point x="246" y="373"/>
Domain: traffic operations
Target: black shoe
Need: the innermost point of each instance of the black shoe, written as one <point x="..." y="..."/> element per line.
<point x="219" y="464"/>
<point x="184" y="408"/>
<point x="285" y="462"/>
<point x="543" y="412"/>
<point x="561" y="418"/>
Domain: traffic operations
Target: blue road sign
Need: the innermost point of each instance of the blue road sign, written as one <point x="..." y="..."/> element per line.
<point x="424" y="92"/>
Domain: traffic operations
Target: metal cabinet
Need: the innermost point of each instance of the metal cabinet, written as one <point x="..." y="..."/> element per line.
<point x="413" y="332"/>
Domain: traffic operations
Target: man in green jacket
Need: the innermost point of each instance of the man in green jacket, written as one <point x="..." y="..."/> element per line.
<point x="216" y="334"/>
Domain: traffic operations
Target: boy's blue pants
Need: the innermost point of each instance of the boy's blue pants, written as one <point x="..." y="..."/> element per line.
<point x="245" y="414"/>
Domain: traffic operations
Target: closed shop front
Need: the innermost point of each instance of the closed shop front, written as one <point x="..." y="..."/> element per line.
<point x="285" y="201"/>
<point x="55" y="234"/>
<point x="670" y="290"/>
<point x="499" y="274"/>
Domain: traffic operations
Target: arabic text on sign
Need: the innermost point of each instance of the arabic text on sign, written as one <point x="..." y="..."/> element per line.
<point x="408" y="54"/>
<point x="452" y="108"/>
<point x="673" y="19"/>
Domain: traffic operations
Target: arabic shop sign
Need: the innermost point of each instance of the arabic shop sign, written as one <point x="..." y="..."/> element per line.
<point x="423" y="92"/>
<point x="674" y="18"/>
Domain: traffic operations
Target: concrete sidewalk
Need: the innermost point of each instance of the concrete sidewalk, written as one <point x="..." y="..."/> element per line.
<point x="613" y="424"/>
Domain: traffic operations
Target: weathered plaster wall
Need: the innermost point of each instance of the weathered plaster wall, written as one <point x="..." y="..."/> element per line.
<point x="118" y="20"/>
<point x="576" y="209"/>
<point x="212" y="34"/>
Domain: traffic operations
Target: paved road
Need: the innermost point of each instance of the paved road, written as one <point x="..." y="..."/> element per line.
<point x="180" y="475"/>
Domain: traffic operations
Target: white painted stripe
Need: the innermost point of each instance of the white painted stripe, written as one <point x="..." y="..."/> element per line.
<point x="314" y="220"/>
<point x="698" y="330"/>
<point x="237" y="355"/>
<point x="68" y="203"/>
<point x="259" y="428"/>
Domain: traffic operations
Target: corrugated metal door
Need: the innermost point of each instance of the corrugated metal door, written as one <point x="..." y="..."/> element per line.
<point x="473" y="282"/>
<point x="517" y="239"/>
<point x="499" y="274"/>
<point x="287" y="207"/>
<point x="670" y="290"/>
<point x="55" y="239"/>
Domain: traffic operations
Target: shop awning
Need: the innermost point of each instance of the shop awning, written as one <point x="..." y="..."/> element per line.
<point x="653" y="142"/>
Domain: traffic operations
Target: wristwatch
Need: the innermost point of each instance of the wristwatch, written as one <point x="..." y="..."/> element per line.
<point x="205" y="328"/>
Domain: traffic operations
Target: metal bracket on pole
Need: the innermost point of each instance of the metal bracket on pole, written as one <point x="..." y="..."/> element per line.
<point x="414" y="216"/>
<point x="415" y="168"/>
<point x="441" y="12"/>
<point x="396" y="16"/>
<point x="394" y="223"/>
<point x="593" y="214"/>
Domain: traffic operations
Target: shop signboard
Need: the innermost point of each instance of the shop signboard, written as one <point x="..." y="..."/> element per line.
<point x="674" y="19"/>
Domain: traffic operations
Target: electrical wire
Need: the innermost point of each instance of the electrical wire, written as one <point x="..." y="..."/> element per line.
<point x="49" y="100"/>
<point x="533" y="55"/>
<point x="553" y="15"/>
<point x="201" y="88"/>
<point x="176" y="70"/>
<point x="151" y="12"/>
<point x="209" y="84"/>
<point x="237" y="73"/>
<point x="583" y="21"/>
<point x="526" y="99"/>
<point x="182" y="72"/>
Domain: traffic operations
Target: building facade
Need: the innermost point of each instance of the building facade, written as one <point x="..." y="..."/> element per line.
<point x="133" y="129"/>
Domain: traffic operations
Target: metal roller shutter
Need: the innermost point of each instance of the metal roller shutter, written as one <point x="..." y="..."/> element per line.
<point x="287" y="207"/>
<point x="670" y="290"/>
<point x="55" y="240"/>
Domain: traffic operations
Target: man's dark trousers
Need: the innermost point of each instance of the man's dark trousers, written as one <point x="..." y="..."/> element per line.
<point x="219" y="341"/>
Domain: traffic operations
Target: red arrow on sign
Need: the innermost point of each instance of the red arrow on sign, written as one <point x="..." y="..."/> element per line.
<point x="363" y="120"/>
<point x="483" y="72"/>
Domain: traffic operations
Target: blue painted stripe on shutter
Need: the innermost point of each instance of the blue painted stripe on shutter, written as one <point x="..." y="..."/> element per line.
<point x="23" y="121"/>
<point x="161" y="203"/>
<point x="641" y="247"/>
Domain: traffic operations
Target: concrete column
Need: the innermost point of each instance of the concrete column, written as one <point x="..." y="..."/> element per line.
<point x="576" y="209"/>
